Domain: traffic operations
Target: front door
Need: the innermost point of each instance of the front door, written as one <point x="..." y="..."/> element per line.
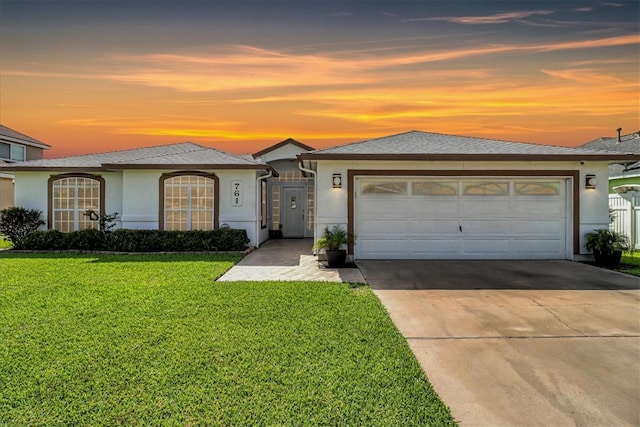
<point x="292" y="212"/>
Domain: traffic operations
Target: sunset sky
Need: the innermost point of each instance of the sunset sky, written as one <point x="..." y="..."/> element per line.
<point x="92" y="75"/>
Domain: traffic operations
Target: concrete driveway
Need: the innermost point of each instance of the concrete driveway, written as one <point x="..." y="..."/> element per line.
<point x="520" y="342"/>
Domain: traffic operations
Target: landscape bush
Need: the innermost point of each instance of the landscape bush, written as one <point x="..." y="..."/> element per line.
<point x="17" y="222"/>
<point x="126" y="240"/>
<point x="45" y="241"/>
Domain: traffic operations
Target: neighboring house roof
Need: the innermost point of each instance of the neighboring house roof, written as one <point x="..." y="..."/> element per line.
<point x="282" y="144"/>
<point x="624" y="170"/>
<point x="417" y="145"/>
<point x="629" y="143"/>
<point x="11" y="135"/>
<point x="184" y="155"/>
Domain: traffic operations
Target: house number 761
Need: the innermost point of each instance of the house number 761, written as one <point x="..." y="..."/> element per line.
<point x="236" y="193"/>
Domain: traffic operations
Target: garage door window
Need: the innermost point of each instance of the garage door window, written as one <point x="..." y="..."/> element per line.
<point x="384" y="187"/>
<point x="537" y="188"/>
<point x="486" y="188"/>
<point x="434" y="188"/>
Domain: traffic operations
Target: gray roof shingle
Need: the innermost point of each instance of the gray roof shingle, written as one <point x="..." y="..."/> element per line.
<point x="15" y="136"/>
<point x="186" y="155"/>
<point x="629" y="143"/>
<point x="422" y="145"/>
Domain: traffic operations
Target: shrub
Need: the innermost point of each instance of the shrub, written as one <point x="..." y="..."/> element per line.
<point x="45" y="240"/>
<point x="89" y="239"/>
<point x="159" y="241"/>
<point x="125" y="240"/>
<point x="16" y="223"/>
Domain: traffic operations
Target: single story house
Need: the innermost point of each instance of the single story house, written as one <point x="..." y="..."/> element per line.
<point x="15" y="147"/>
<point x="414" y="195"/>
<point x="172" y="187"/>
<point x="420" y="195"/>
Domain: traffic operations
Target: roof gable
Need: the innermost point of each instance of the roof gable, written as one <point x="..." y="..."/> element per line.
<point x="279" y="145"/>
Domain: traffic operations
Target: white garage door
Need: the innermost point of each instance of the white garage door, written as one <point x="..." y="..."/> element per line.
<point x="461" y="218"/>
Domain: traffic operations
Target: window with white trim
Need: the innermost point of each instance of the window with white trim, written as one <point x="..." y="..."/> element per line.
<point x="189" y="203"/>
<point x="71" y="198"/>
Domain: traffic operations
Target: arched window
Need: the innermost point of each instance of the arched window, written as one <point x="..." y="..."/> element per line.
<point x="189" y="201"/>
<point x="70" y="196"/>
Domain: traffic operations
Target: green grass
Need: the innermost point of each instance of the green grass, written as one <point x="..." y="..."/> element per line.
<point x="630" y="263"/>
<point x="153" y="340"/>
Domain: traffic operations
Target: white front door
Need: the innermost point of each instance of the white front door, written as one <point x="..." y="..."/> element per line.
<point x="461" y="218"/>
<point x="292" y="207"/>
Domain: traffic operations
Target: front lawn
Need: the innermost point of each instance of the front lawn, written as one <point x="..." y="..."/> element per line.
<point x="153" y="340"/>
<point x="631" y="263"/>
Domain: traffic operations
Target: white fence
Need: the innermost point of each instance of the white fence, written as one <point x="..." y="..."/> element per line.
<point x="625" y="209"/>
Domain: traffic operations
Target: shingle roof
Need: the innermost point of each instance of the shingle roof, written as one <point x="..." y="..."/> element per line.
<point x="629" y="143"/>
<point x="15" y="136"/>
<point x="435" y="146"/>
<point x="182" y="155"/>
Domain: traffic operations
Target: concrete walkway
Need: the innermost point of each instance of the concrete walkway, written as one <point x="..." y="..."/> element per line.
<point x="288" y="260"/>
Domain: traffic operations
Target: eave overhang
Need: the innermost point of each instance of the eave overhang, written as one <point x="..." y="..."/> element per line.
<point x="472" y="157"/>
<point x="118" y="166"/>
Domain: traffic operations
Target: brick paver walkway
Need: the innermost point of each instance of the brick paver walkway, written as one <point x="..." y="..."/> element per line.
<point x="288" y="260"/>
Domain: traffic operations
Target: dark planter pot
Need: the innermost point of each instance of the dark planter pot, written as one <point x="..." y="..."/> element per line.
<point x="275" y="234"/>
<point x="336" y="258"/>
<point x="610" y="260"/>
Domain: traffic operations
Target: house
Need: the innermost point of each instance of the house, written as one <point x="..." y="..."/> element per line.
<point x="414" y="195"/>
<point x="623" y="173"/>
<point x="420" y="195"/>
<point x="15" y="147"/>
<point x="172" y="187"/>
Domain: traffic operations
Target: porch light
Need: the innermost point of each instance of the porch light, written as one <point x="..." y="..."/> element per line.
<point x="590" y="182"/>
<point x="337" y="180"/>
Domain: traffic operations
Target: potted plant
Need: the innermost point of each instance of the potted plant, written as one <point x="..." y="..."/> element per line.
<point x="607" y="246"/>
<point x="331" y="241"/>
<point x="276" y="234"/>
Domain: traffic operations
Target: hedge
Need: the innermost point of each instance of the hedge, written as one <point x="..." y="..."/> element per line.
<point x="125" y="240"/>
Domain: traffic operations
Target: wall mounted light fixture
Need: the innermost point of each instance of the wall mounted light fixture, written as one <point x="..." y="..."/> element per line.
<point x="590" y="182"/>
<point x="337" y="180"/>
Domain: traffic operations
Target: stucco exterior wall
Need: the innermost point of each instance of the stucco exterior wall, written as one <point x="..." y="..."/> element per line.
<point x="141" y="203"/>
<point x="243" y="216"/>
<point x="134" y="194"/>
<point x="331" y="206"/>
<point x="31" y="192"/>
<point x="289" y="151"/>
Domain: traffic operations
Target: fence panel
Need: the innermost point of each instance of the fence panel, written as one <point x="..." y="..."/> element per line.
<point x="625" y="210"/>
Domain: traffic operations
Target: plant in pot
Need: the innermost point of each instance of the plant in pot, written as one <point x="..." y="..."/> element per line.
<point x="607" y="246"/>
<point x="331" y="241"/>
